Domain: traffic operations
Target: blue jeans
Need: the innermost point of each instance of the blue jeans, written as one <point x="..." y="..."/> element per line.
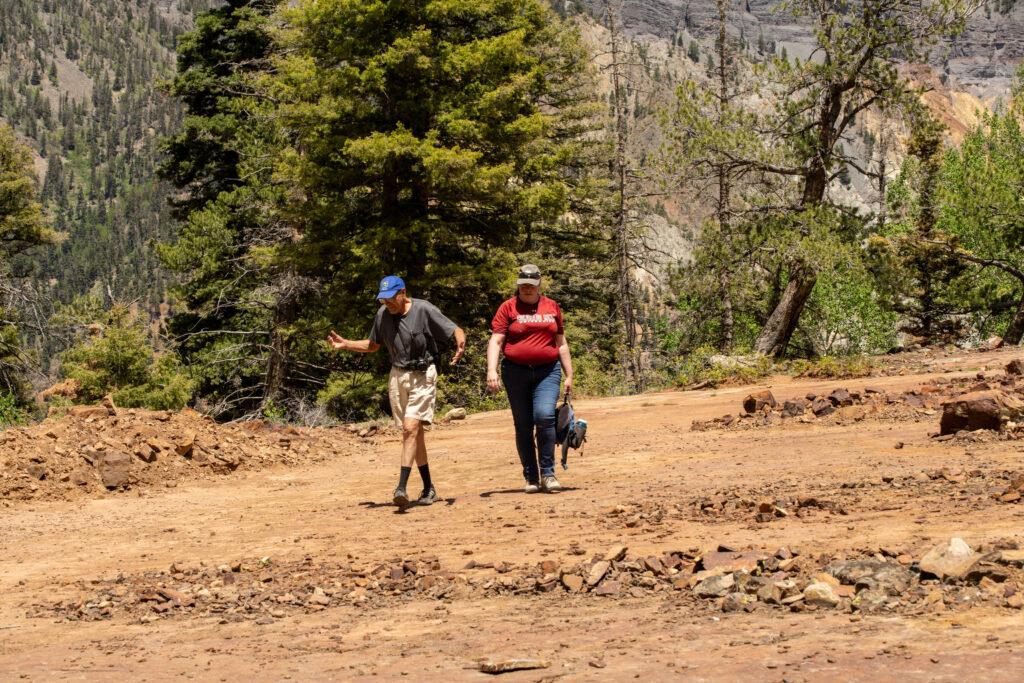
<point x="533" y="395"/>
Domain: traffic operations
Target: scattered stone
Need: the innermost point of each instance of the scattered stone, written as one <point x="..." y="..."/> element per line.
<point x="108" y="403"/>
<point x="615" y="554"/>
<point x="86" y="412"/>
<point x="731" y="561"/>
<point x="871" y="600"/>
<point x="794" y="408"/>
<point x="841" y="398"/>
<point x="455" y="414"/>
<point x="873" y="575"/>
<point x="184" y="444"/>
<point x="822" y="407"/>
<point x="715" y="586"/>
<point x="597" y="572"/>
<point x="1015" y="367"/>
<point x="572" y="582"/>
<point x="608" y="588"/>
<point x="820" y="594"/>
<point x="992" y="343"/>
<point x="319" y="597"/>
<point x="736" y="602"/>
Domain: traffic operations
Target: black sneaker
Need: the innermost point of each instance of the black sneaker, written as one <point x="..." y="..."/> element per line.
<point x="401" y="498"/>
<point x="427" y="497"/>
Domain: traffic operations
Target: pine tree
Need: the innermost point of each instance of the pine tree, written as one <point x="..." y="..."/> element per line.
<point x="856" y="69"/>
<point x="921" y="281"/>
<point x="222" y="326"/>
<point x="22" y="227"/>
<point x="981" y="190"/>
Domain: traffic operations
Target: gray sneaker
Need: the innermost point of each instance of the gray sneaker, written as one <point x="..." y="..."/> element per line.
<point x="550" y="484"/>
<point x="427" y="497"/>
<point x="531" y="488"/>
<point x="401" y="498"/>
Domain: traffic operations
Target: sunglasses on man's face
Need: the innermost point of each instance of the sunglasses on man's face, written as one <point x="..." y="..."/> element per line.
<point x="388" y="300"/>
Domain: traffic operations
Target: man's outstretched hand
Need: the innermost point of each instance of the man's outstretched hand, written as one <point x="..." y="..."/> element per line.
<point x="337" y="342"/>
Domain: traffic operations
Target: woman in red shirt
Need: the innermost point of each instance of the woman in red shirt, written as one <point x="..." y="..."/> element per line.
<point x="528" y="330"/>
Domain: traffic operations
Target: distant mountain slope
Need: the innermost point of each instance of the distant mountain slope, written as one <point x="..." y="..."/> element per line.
<point x="79" y="84"/>
<point x="982" y="60"/>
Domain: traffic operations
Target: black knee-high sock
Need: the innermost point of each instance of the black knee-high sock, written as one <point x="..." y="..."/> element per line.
<point x="403" y="478"/>
<point x="425" y="475"/>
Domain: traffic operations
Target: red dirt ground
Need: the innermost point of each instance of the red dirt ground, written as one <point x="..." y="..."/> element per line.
<point x="642" y="456"/>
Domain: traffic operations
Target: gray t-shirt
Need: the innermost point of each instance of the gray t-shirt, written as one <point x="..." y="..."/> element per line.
<point x="412" y="339"/>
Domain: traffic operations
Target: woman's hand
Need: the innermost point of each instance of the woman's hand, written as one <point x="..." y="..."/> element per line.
<point x="568" y="384"/>
<point x="493" y="383"/>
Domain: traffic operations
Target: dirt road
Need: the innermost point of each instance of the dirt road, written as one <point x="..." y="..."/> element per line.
<point x="639" y="484"/>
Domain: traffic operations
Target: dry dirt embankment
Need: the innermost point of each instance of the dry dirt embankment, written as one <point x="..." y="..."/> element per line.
<point x="101" y="449"/>
<point x="850" y="542"/>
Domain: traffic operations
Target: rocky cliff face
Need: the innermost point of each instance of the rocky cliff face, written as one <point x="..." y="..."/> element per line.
<point x="981" y="61"/>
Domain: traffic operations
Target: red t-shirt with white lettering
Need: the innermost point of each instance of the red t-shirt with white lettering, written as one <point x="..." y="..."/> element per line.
<point x="530" y="330"/>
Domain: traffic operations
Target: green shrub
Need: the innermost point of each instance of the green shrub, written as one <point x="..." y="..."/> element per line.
<point x="119" y="360"/>
<point x="354" y="395"/>
<point x="832" y="367"/>
<point x="10" y="413"/>
<point x="700" y="367"/>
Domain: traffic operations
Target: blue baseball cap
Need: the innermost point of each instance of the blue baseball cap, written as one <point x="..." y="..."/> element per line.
<point x="389" y="286"/>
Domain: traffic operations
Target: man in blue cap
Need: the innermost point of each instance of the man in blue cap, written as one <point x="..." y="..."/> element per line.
<point x="410" y="329"/>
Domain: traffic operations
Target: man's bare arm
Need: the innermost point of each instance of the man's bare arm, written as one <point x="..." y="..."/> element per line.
<point x="460" y="344"/>
<point x="339" y="343"/>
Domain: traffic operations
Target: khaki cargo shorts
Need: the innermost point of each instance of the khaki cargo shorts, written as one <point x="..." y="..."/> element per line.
<point x="413" y="394"/>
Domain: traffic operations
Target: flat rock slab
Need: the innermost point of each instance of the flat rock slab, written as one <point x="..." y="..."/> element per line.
<point x="733" y="561"/>
<point x="506" y="665"/>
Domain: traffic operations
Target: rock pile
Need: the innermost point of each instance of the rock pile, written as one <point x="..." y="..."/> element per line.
<point x="761" y="409"/>
<point x="950" y="576"/>
<point x="1014" y="491"/>
<point x="93" y="449"/>
<point x="967" y="404"/>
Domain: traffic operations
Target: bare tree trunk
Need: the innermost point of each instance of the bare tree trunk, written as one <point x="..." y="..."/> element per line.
<point x="623" y="255"/>
<point x="724" y="188"/>
<point x="781" y="325"/>
<point x="278" y="358"/>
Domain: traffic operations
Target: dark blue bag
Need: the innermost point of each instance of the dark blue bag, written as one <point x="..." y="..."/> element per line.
<point x="569" y="432"/>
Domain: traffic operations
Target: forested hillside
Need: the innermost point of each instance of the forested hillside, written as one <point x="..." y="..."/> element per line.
<point x="692" y="195"/>
<point x="79" y="84"/>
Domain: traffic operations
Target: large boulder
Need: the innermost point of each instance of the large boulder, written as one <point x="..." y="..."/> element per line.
<point x="950" y="561"/>
<point x="873" y="575"/>
<point x="114" y="469"/>
<point x="989" y="409"/>
<point x="754" y="402"/>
